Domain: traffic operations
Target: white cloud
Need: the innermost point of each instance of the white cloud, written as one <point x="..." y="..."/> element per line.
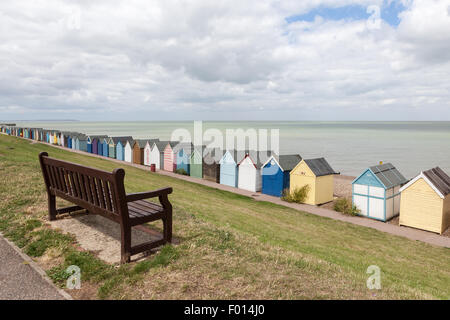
<point x="144" y="59"/>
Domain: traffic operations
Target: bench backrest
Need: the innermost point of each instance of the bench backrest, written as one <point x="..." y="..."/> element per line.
<point x="98" y="191"/>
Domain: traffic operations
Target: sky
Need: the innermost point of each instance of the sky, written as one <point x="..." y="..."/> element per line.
<point x="225" y="60"/>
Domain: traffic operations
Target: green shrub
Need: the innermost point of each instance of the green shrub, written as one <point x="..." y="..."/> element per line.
<point x="345" y="206"/>
<point x="299" y="195"/>
<point x="181" y="171"/>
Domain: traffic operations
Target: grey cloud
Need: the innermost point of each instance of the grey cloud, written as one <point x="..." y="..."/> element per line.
<point x="230" y="57"/>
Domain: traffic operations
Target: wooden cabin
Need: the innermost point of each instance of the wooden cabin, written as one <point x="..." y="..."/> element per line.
<point x="157" y="154"/>
<point x="211" y="164"/>
<point x="249" y="170"/>
<point x="139" y="149"/>
<point x="170" y="157"/>
<point x="318" y="175"/>
<point x="276" y="173"/>
<point x="128" y="151"/>
<point x="183" y="153"/>
<point x="376" y="192"/>
<point x="229" y="168"/>
<point x="425" y="201"/>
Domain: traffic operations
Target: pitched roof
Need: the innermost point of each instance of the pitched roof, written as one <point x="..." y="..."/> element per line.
<point x="439" y="179"/>
<point x="171" y="143"/>
<point x="187" y="147"/>
<point x="142" y="142"/>
<point x="320" y="167"/>
<point x="258" y="157"/>
<point x="160" y="144"/>
<point x="213" y="154"/>
<point x="388" y="175"/>
<point x="288" y="162"/>
<point x="122" y="140"/>
<point x="96" y="137"/>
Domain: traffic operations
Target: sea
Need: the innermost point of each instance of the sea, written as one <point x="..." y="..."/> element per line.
<point x="350" y="147"/>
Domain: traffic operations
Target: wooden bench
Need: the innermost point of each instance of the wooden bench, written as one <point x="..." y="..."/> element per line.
<point x="103" y="193"/>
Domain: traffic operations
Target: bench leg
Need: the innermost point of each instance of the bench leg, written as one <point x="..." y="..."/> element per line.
<point x="51" y="207"/>
<point x="167" y="224"/>
<point x="125" y="244"/>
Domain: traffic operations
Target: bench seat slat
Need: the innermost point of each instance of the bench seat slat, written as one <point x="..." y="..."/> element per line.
<point x="143" y="207"/>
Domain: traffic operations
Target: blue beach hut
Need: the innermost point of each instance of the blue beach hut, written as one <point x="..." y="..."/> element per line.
<point x="99" y="146"/>
<point x="105" y="146"/>
<point x="120" y="150"/>
<point x="376" y="192"/>
<point x="89" y="144"/>
<point x="229" y="168"/>
<point x="82" y="143"/>
<point x="276" y="173"/>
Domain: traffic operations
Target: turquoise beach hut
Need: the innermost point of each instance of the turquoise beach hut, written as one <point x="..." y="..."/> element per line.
<point x="183" y="155"/>
<point x="376" y="192"/>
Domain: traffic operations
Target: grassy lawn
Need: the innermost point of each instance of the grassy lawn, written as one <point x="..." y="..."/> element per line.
<point x="231" y="247"/>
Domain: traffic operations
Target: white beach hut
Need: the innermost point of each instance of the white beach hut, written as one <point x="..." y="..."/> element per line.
<point x="249" y="173"/>
<point x="147" y="153"/>
<point x="129" y="151"/>
<point x="157" y="154"/>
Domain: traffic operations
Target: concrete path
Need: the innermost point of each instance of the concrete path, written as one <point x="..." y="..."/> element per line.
<point x="410" y="233"/>
<point x="23" y="279"/>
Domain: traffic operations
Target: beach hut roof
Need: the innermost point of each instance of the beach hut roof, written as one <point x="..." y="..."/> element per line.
<point x="258" y="158"/>
<point x="285" y="162"/>
<point x="320" y="167"/>
<point x="440" y="179"/>
<point x="171" y="143"/>
<point x="98" y="137"/>
<point x="436" y="178"/>
<point x="142" y="142"/>
<point x="236" y="154"/>
<point x="185" y="146"/>
<point x="122" y="140"/>
<point x="214" y="154"/>
<point x="160" y="144"/>
<point x="82" y="136"/>
<point x="388" y="175"/>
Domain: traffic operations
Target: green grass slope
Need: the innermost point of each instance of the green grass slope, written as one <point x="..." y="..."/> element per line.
<point x="230" y="246"/>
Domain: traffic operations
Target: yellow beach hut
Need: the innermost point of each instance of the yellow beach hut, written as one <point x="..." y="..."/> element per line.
<point x="318" y="174"/>
<point x="425" y="201"/>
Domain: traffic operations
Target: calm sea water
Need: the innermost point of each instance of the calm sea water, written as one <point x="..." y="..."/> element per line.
<point x="350" y="147"/>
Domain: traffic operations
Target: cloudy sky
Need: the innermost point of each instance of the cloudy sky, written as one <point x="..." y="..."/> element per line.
<point x="225" y="60"/>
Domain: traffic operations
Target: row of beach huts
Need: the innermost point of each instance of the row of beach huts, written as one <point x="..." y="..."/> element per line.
<point x="381" y="192"/>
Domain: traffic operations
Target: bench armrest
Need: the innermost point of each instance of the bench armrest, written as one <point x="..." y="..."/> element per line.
<point x="149" y="194"/>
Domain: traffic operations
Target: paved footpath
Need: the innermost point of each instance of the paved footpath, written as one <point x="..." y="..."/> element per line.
<point x="22" y="279"/>
<point x="410" y="233"/>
